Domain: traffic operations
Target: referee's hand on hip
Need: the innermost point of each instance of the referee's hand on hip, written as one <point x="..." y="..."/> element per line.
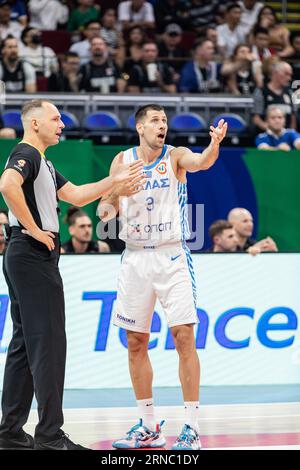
<point x="43" y="237"/>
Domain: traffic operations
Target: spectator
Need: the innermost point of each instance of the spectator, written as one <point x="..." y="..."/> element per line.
<point x="43" y="59"/>
<point x="101" y="74"/>
<point x="18" y="12"/>
<point x="294" y="58"/>
<point x="279" y="35"/>
<point x="17" y="74"/>
<point x="169" y="11"/>
<point x="134" y="50"/>
<point x="212" y="35"/>
<point x="231" y="33"/>
<point x="260" y="43"/>
<point x="68" y="77"/>
<point x="86" y="11"/>
<point x="276" y="92"/>
<point x="110" y="31"/>
<point x="223" y="237"/>
<point x="136" y="13"/>
<point x="250" y="10"/>
<point x="199" y="14"/>
<point x="7" y="133"/>
<point x="81" y="231"/>
<point x="242" y="221"/>
<point x="242" y="75"/>
<point x="151" y="75"/>
<point x="113" y="36"/>
<point x="3" y="221"/>
<point x="8" y="27"/>
<point x="169" y="48"/>
<point x="276" y="136"/>
<point x="92" y="29"/>
<point x="202" y="74"/>
<point x="47" y="14"/>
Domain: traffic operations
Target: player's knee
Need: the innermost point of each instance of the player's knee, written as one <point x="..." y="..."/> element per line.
<point x="184" y="340"/>
<point x="137" y="342"/>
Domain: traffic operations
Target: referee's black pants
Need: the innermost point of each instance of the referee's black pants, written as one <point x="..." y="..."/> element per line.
<point x="37" y="352"/>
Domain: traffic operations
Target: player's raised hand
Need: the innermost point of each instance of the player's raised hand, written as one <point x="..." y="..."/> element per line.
<point x="218" y="133"/>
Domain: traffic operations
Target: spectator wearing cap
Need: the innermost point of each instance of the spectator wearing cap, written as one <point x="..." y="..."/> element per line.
<point x="151" y="75"/>
<point x="85" y="11"/>
<point x="223" y="237"/>
<point x="242" y="222"/>
<point x="136" y="13"/>
<point x="92" y="30"/>
<point x="47" y="14"/>
<point x="202" y="74"/>
<point x="276" y="136"/>
<point x="231" y="33"/>
<point x="276" y="92"/>
<point x="169" y="47"/>
<point x="8" y="27"/>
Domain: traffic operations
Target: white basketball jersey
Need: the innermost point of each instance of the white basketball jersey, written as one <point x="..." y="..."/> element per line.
<point x="157" y="215"/>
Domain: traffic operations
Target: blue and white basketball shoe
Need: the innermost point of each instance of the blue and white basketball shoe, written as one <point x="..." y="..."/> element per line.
<point x="140" y="436"/>
<point x="188" y="439"/>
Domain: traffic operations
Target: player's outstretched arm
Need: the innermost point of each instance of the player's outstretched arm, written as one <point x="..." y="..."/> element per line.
<point x="193" y="162"/>
<point x="108" y="207"/>
<point x="86" y="193"/>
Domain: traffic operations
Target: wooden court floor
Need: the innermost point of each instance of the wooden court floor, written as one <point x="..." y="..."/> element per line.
<point x="234" y="426"/>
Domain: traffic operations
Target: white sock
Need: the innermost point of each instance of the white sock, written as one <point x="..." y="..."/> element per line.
<point x="191" y="411"/>
<point x="146" y="412"/>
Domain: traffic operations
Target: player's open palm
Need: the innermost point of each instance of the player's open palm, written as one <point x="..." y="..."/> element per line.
<point x="130" y="173"/>
<point x="218" y="133"/>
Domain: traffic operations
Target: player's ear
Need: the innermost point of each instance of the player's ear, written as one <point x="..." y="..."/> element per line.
<point x="140" y="128"/>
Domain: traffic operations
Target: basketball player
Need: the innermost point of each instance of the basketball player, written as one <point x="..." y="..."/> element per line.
<point x="157" y="264"/>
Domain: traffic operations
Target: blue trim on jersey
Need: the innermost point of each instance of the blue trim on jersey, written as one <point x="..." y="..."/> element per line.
<point x="191" y="271"/>
<point x="182" y="201"/>
<point x="149" y="167"/>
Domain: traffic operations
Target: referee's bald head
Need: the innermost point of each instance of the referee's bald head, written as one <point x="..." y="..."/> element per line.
<point x="33" y="108"/>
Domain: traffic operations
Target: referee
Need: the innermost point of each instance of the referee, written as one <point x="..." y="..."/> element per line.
<point x="36" y="355"/>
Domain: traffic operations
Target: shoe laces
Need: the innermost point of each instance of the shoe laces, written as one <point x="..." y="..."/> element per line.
<point x="187" y="436"/>
<point x="136" y="430"/>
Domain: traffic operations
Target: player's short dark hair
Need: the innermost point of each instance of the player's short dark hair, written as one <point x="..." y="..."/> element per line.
<point x="142" y="111"/>
<point x="73" y="213"/>
<point x="218" y="227"/>
<point x="33" y="104"/>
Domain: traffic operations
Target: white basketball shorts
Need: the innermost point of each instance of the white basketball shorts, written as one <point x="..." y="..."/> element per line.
<point x="146" y="274"/>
